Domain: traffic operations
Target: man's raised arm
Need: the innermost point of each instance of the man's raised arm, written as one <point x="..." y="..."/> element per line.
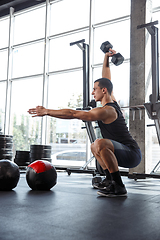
<point x="106" y="72"/>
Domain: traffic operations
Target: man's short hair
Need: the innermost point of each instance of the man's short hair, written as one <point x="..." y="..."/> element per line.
<point x="105" y="82"/>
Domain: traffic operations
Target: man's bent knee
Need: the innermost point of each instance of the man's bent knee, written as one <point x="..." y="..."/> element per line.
<point x="101" y="143"/>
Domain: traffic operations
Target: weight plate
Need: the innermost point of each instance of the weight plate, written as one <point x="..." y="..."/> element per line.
<point x="6" y="157"/>
<point x="5" y="149"/>
<point x="47" y="159"/>
<point x="22" y="158"/>
<point x="5" y="141"/>
<point x="39" y="147"/>
<point x="5" y="152"/>
<point x="18" y="152"/>
<point x="6" y="145"/>
<point x="40" y="155"/>
<point x="6" y="136"/>
<point x="44" y="151"/>
<point x="22" y="163"/>
<point x="35" y="159"/>
<point x="22" y="155"/>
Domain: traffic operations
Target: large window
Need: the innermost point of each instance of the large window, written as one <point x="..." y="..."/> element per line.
<point x="66" y="90"/>
<point x="29" y="26"/>
<point x="42" y="68"/>
<point x="26" y="130"/>
<point x="4" y="28"/>
<point x="104" y="10"/>
<point x="66" y="136"/>
<point x="155" y="4"/>
<point x="3" y="64"/>
<point x="64" y="56"/>
<point x="28" y="60"/>
<point x="69" y="15"/>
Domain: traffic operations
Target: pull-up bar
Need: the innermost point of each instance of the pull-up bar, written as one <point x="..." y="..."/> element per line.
<point x="85" y="50"/>
<point x="153" y="107"/>
<point x="86" y="103"/>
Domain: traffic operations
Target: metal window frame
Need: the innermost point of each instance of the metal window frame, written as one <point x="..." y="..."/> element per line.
<point x="46" y="40"/>
<point x="9" y="75"/>
<point x="112" y="21"/>
<point x="45" y="75"/>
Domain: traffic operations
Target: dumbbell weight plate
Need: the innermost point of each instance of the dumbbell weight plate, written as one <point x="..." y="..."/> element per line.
<point x="5" y="151"/>
<point x="18" y="152"/>
<point x="117" y="59"/>
<point x="106" y="46"/>
<point x="6" y="145"/>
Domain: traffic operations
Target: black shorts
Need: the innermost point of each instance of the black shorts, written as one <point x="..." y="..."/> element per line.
<point x="128" y="157"/>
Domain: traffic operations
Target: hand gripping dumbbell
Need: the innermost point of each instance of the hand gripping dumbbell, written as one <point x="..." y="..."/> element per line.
<point x="117" y="58"/>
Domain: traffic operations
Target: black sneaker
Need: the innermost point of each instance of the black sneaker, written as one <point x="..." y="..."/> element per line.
<point x="103" y="184"/>
<point x="114" y="190"/>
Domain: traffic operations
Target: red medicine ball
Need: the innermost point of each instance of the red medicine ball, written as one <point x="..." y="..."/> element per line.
<point x="41" y="175"/>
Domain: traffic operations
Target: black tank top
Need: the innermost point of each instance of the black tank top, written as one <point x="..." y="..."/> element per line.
<point x="117" y="130"/>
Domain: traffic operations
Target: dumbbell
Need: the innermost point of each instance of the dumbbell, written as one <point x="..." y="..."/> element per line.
<point x="117" y="58"/>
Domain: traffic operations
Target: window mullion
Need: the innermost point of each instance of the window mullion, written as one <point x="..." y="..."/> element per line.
<point x="45" y="74"/>
<point x="9" y="74"/>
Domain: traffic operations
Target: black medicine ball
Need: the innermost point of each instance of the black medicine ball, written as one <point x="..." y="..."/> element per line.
<point x="9" y="175"/>
<point x="41" y="175"/>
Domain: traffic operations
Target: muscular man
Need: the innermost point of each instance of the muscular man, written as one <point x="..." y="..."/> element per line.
<point x="117" y="147"/>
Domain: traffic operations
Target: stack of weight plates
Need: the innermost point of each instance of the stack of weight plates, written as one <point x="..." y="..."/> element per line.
<point x="22" y="158"/>
<point x="0" y="130"/>
<point x="40" y="152"/>
<point x="6" y="145"/>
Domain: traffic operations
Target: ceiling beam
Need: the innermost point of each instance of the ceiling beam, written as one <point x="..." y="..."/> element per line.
<point x="18" y="5"/>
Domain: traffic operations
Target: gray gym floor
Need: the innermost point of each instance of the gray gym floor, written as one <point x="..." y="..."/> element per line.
<point x="72" y="210"/>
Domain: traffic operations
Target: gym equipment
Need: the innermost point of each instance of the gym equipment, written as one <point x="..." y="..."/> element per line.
<point x="40" y="152"/>
<point x="86" y="105"/>
<point x="96" y="180"/>
<point x="22" y="158"/>
<point x="9" y="175"/>
<point x="41" y="175"/>
<point x="117" y="58"/>
<point x="6" y="145"/>
<point x="153" y="106"/>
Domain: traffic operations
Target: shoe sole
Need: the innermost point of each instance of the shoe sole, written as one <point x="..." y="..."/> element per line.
<point x="96" y="187"/>
<point x="111" y="195"/>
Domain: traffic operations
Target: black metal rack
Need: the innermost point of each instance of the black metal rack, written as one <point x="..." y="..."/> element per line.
<point x="86" y="104"/>
<point x="153" y="106"/>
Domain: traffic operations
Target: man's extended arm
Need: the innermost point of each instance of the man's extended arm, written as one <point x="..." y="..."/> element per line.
<point x="93" y="115"/>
